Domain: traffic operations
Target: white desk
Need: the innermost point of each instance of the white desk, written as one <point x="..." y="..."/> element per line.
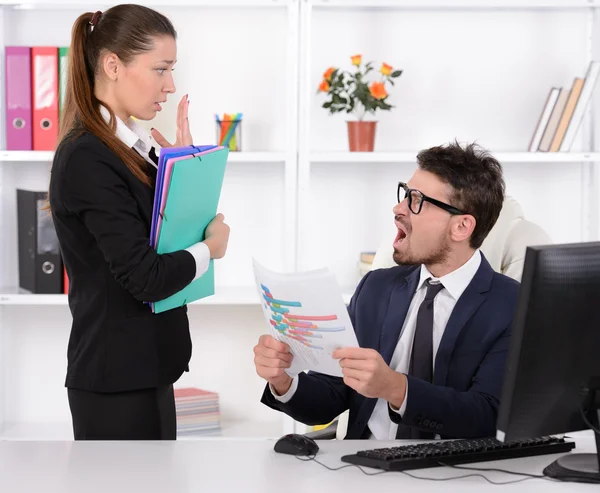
<point x="224" y="465"/>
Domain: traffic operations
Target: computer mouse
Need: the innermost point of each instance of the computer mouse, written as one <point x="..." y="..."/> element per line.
<point x="296" y="444"/>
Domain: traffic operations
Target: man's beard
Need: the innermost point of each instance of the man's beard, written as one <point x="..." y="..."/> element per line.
<point x="437" y="256"/>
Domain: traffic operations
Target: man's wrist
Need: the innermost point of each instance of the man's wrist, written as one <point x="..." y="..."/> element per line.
<point x="397" y="391"/>
<point x="283" y="387"/>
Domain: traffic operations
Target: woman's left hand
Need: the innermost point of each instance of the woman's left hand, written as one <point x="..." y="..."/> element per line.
<point x="183" y="135"/>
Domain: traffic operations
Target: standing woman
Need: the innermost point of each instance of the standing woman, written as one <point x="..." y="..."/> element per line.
<point x="122" y="358"/>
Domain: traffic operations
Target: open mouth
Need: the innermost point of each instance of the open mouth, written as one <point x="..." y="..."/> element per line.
<point x="400" y="236"/>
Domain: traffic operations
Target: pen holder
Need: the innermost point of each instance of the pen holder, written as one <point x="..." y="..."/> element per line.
<point x="229" y="134"/>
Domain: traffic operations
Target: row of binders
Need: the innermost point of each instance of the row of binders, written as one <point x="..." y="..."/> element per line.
<point x="188" y="187"/>
<point x="563" y="113"/>
<point x="197" y="412"/>
<point x="35" y="81"/>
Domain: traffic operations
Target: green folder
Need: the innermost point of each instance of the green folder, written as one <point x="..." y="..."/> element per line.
<point x="191" y="204"/>
<point x="63" y="56"/>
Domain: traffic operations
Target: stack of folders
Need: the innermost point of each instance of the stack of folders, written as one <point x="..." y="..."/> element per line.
<point x="197" y="412"/>
<point x="188" y="188"/>
<point x="35" y="90"/>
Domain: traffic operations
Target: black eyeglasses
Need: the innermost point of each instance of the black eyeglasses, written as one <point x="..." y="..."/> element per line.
<point x="416" y="199"/>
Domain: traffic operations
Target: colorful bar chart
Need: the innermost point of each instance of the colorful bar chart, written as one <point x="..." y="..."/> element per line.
<point x="302" y="328"/>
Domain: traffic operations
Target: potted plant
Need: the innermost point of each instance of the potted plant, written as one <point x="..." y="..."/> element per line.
<point x="353" y="93"/>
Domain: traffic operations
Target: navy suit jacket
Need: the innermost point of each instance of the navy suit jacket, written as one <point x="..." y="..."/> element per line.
<point x="463" y="400"/>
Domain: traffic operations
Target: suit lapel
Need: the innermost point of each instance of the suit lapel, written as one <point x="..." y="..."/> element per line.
<point x="464" y="309"/>
<point x="394" y="320"/>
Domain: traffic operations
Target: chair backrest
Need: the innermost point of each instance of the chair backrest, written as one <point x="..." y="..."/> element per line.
<point x="504" y="247"/>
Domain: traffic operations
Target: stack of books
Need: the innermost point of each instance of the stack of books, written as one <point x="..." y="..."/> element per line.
<point x="563" y="113"/>
<point x="197" y="412"/>
<point x="365" y="263"/>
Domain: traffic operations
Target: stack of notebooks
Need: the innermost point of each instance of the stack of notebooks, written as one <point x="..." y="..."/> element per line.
<point x="188" y="188"/>
<point x="563" y="113"/>
<point x="197" y="412"/>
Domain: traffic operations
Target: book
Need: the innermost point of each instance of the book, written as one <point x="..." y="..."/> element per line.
<point x="543" y="119"/>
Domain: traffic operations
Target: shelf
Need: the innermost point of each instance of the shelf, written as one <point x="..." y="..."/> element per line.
<point x="223" y="296"/>
<point x="458" y="4"/>
<point x="50" y="4"/>
<point x="411" y="157"/>
<point x="402" y="4"/>
<point x="234" y="157"/>
<point x="51" y="431"/>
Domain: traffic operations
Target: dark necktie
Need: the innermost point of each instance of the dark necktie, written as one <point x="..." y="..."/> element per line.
<point x="152" y="155"/>
<point x="421" y="360"/>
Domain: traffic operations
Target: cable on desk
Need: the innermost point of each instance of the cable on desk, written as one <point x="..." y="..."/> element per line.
<point x="464" y="476"/>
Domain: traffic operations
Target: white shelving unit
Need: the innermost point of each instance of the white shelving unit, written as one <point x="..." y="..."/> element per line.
<point x="234" y="157"/>
<point x="476" y="70"/>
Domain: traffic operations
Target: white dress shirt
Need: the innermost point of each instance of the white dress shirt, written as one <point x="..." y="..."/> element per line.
<point x="380" y="424"/>
<point x="133" y="135"/>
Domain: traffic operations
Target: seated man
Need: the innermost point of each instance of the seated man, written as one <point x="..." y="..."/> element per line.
<point x="433" y="331"/>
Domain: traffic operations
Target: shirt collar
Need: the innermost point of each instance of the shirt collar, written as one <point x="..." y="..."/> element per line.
<point x="131" y="133"/>
<point x="456" y="281"/>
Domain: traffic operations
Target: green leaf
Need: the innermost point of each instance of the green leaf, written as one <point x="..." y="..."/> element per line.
<point x="396" y="73"/>
<point x="327" y="105"/>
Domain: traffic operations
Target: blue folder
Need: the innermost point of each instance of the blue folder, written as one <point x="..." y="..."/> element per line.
<point x="193" y="196"/>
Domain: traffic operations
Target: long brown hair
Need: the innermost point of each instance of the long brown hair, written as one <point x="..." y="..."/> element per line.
<point x="125" y="30"/>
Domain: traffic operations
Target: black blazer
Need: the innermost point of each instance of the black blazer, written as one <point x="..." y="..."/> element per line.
<point x="463" y="400"/>
<point x="102" y="214"/>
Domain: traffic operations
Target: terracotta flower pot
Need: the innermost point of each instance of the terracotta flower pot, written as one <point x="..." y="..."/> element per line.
<point x="361" y="136"/>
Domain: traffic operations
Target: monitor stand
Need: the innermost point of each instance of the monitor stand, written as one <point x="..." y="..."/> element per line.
<point x="582" y="468"/>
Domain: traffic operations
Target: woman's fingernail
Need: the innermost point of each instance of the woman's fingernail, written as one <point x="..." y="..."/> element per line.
<point x="152" y="129"/>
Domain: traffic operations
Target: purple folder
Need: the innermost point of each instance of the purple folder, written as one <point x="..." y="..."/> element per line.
<point x="18" y="98"/>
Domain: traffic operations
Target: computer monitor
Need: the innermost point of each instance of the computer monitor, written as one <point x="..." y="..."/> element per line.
<point x="552" y="379"/>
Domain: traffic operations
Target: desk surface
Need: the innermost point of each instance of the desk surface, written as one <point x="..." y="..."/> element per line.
<point x="209" y="465"/>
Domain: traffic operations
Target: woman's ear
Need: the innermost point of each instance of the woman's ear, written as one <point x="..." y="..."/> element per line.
<point x="111" y="66"/>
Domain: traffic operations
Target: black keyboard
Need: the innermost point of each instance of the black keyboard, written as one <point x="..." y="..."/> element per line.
<point x="439" y="453"/>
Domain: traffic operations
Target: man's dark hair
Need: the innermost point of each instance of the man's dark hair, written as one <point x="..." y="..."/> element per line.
<point x="476" y="181"/>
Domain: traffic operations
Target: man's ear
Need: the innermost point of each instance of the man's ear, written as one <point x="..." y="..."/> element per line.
<point x="463" y="227"/>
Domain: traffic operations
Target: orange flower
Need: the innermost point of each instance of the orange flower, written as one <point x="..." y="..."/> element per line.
<point x="356" y="59"/>
<point x="377" y="90"/>
<point x="386" y="69"/>
<point x="329" y="72"/>
<point x="324" y="86"/>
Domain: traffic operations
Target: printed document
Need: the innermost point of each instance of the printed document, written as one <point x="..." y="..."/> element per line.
<point x="306" y="310"/>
